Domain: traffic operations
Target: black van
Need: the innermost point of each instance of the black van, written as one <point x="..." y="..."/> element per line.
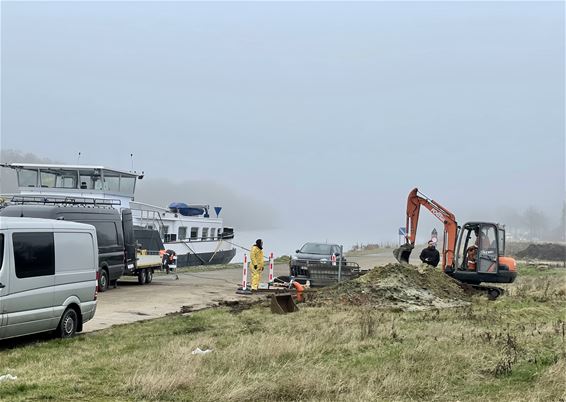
<point x="114" y="231"/>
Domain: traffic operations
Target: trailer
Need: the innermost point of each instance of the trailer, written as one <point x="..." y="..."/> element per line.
<point x="144" y="267"/>
<point x="149" y="258"/>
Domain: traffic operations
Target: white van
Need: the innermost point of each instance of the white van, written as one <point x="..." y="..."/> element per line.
<point x="47" y="276"/>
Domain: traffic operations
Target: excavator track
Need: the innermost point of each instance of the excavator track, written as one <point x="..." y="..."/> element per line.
<point x="492" y="292"/>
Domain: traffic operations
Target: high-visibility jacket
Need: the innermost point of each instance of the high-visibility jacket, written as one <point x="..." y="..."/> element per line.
<point x="256" y="256"/>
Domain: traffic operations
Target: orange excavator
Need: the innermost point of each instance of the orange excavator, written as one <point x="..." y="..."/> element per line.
<point x="472" y="253"/>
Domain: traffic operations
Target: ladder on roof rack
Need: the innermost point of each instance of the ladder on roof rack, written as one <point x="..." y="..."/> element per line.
<point x="22" y="199"/>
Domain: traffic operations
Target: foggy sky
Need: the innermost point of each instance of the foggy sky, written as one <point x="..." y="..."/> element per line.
<point x="322" y="115"/>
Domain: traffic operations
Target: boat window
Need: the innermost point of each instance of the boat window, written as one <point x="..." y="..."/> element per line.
<point x="48" y="179"/>
<point x="86" y="180"/>
<point x="182" y="232"/>
<point x="165" y="229"/>
<point x="27" y="178"/>
<point x="67" y="179"/>
<point x="127" y="184"/>
<point x="90" y="180"/>
<point x="194" y="233"/>
<point x="212" y="233"/>
<point x="111" y="181"/>
<point x="204" y="233"/>
<point x="58" y="178"/>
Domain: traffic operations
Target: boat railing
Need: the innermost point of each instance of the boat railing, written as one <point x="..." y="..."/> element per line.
<point x="173" y="238"/>
<point x="150" y="215"/>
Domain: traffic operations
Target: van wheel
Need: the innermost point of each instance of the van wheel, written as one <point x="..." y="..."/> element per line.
<point x="103" y="281"/>
<point x="149" y="276"/>
<point x="142" y="276"/>
<point x="68" y="324"/>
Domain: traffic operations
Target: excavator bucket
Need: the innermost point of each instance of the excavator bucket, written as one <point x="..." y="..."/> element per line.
<point x="283" y="304"/>
<point x="403" y="253"/>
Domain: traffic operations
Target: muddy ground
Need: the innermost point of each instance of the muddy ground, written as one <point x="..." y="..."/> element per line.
<point x="130" y="302"/>
<point x="395" y="286"/>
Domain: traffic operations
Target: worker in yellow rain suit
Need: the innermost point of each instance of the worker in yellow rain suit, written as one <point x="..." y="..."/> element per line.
<point x="257" y="263"/>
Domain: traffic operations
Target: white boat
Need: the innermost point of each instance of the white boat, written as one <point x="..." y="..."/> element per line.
<point x="189" y="230"/>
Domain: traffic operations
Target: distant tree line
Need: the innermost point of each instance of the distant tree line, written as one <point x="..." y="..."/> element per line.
<point x="369" y="246"/>
<point x="534" y="225"/>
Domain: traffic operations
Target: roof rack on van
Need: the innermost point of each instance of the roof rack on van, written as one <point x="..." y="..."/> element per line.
<point x="64" y="200"/>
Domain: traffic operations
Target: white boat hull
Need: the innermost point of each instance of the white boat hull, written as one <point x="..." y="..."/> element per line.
<point x="201" y="252"/>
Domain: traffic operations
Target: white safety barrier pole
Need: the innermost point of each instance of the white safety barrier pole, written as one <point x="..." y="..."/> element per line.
<point x="270" y="268"/>
<point x="333" y="259"/>
<point x="245" y="273"/>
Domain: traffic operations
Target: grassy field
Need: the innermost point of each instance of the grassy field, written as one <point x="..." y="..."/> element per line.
<point x="513" y="349"/>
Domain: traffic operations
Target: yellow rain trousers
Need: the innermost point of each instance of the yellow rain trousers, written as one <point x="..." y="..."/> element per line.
<point x="256" y="265"/>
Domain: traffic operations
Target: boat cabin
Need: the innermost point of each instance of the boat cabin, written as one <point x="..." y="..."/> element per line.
<point x="75" y="181"/>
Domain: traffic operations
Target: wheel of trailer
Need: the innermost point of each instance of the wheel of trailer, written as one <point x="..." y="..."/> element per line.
<point x="149" y="275"/>
<point x="493" y="294"/>
<point x="103" y="281"/>
<point x="142" y="277"/>
<point x="68" y="324"/>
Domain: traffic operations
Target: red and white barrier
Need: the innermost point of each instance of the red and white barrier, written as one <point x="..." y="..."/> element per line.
<point x="333" y="259"/>
<point x="245" y="273"/>
<point x="270" y="268"/>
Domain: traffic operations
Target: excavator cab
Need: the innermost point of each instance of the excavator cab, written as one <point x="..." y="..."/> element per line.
<point x="478" y="248"/>
<point x="480" y="255"/>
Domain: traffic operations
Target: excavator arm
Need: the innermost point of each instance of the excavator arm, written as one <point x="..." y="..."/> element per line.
<point x="414" y="203"/>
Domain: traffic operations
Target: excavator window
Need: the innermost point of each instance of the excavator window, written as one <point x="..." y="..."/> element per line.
<point x="501" y="235"/>
<point x="467" y="249"/>
<point x="487" y="257"/>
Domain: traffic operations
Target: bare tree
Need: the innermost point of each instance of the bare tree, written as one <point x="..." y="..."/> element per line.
<point x="514" y="222"/>
<point x="536" y="223"/>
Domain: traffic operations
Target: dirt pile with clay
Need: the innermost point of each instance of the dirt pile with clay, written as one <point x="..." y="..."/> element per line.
<point x="395" y="286"/>
<point x="545" y="251"/>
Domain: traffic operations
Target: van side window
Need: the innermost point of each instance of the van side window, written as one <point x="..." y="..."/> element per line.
<point x="1" y="250"/>
<point x="34" y="254"/>
<point x="105" y="233"/>
<point x="78" y="253"/>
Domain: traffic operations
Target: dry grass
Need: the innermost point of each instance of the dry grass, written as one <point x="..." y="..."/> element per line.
<point x="512" y="349"/>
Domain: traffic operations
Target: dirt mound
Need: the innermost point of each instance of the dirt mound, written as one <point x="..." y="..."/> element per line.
<point x="546" y="252"/>
<point x="395" y="286"/>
